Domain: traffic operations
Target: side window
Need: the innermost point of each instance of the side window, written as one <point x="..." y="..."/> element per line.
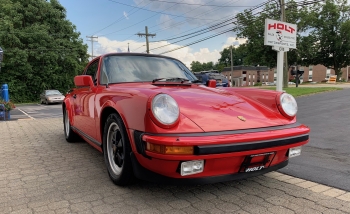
<point x="92" y="71"/>
<point x="103" y="74"/>
<point x="199" y="77"/>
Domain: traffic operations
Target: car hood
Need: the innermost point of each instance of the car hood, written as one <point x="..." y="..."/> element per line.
<point x="214" y="109"/>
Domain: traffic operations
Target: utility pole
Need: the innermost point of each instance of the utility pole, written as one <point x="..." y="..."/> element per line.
<point x="146" y="34"/>
<point x="285" y="67"/>
<point x="92" y="40"/>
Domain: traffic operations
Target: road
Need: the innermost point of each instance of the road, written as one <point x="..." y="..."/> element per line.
<point x="43" y="174"/>
<point x="326" y="158"/>
<point x="37" y="111"/>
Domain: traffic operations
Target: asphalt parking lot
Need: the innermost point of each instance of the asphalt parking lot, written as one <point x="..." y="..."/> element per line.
<point x="41" y="173"/>
<point x="36" y="111"/>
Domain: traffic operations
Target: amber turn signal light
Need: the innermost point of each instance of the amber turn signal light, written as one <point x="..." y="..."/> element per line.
<point x="169" y="150"/>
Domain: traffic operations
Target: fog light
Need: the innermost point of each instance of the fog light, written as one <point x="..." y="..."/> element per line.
<point x="293" y="152"/>
<point x="192" y="167"/>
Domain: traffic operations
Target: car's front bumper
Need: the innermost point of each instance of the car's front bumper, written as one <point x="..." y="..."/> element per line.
<point x="54" y="101"/>
<point x="223" y="153"/>
<point x="148" y="175"/>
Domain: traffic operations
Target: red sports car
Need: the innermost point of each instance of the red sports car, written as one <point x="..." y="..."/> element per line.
<point x="153" y="120"/>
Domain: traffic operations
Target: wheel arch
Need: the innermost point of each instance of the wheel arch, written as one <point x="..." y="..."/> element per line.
<point x="108" y="110"/>
<point x="67" y="105"/>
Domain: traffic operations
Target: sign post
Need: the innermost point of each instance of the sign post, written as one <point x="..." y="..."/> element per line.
<point x="281" y="36"/>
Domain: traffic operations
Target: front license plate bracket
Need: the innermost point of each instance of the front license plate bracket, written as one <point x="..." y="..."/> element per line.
<point x="257" y="162"/>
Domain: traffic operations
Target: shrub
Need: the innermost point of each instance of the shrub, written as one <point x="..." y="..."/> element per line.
<point x="8" y="105"/>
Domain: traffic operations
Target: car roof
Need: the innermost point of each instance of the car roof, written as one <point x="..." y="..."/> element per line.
<point x="135" y="54"/>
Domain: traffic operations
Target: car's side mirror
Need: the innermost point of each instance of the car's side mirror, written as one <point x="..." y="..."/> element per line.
<point x="211" y="83"/>
<point x="83" y="81"/>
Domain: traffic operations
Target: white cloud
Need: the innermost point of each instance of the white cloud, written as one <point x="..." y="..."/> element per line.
<point x="125" y="15"/>
<point x="186" y="54"/>
<point x="168" y="23"/>
<point x="196" y="13"/>
<point x="235" y="41"/>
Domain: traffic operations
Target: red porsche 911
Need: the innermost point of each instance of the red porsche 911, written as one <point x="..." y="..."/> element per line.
<point x="153" y="120"/>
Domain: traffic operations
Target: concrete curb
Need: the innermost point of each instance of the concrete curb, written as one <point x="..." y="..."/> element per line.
<point x="315" y="187"/>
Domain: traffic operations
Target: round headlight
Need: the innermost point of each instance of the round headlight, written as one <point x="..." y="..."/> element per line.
<point x="165" y="109"/>
<point x="288" y="104"/>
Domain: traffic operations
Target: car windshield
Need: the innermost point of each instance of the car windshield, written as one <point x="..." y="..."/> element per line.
<point x="143" y="68"/>
<point x="53" y="92"/>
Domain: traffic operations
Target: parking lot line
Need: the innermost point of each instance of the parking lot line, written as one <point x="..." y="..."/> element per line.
<point x="26" y="114"/>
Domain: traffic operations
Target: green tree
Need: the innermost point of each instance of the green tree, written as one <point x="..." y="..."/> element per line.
<point x="42" y="49"/>
<point x="251" y="27"/>
<point x="239" y="55"/>
<point x="205" y="66"/>
<point x="328" y="41"/>
<point x="196" y="66"/>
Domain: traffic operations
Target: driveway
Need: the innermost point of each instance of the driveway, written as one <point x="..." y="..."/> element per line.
<point x="41" y="173"/>
<point x="325" y="159"/>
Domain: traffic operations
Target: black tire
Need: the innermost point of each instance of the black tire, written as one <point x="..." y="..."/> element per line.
<point x="116" y="150"/>
<point x="70" y="135"/>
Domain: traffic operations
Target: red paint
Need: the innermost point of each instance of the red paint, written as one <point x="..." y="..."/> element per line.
<point x="280" y="26"/>
<point x="202" y="109"/>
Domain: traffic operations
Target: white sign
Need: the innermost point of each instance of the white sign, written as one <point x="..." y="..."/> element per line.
<point x="280" y="34"/>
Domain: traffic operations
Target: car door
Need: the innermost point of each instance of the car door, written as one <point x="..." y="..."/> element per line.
<point x="84" y="99"/>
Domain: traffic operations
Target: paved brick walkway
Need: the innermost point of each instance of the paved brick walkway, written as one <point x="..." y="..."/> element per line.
<point x="41" y="173"/>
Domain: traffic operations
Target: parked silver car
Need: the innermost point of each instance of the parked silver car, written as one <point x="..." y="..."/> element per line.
<point x="51" y="96"/>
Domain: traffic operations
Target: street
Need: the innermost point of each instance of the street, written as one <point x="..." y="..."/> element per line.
<point x="325" y="159"/>
<point x="41" y="173"/>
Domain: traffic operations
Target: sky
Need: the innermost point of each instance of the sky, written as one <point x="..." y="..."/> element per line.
<point x="176" y="23"/>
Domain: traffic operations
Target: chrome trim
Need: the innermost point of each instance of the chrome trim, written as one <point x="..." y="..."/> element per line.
<point x="243" y="131"/>
<point x="87" y="136"/>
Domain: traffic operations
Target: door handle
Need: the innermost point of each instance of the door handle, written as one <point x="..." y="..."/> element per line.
<point x="74" y="96"/>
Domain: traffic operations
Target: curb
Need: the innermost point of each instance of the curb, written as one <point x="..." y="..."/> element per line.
<point x="315" y="187"/>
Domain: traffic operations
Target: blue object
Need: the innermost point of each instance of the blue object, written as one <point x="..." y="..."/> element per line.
<point x="5" y="92"/>
<point x="205" y="76"/>
<point x="2" y="111"/>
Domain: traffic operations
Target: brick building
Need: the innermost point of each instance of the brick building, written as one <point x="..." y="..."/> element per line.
<point x="319" y="73"/>
<point x="250" y="75"/>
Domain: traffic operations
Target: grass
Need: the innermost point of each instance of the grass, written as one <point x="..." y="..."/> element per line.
<point x="302" y="91"/>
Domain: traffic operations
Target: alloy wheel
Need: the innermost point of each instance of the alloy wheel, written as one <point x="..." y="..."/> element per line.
<point x="115" y="148"/>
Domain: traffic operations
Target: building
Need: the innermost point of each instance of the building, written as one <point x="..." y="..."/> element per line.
<point x="318" y="73"/>
<point x="250" y="75"/>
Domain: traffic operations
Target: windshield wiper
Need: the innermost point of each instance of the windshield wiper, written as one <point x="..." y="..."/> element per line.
<point x="197" y="81"/>
<point x="172" y="79"/>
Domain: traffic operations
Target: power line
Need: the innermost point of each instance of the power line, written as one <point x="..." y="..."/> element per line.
<point x="207" y="29"/>
<point x="173" y="18"/>
<point x="121" y="18"/>
<point x="138" y="22"/>
<point x="92" y="40"/>
<point x="200" y="15"/>
<point x="210" y="28"/>
<point x="215" y="35"/>
<point x="210" y="5"/>
<point x="155" y="11"/>
<point x="146" y="34"/>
